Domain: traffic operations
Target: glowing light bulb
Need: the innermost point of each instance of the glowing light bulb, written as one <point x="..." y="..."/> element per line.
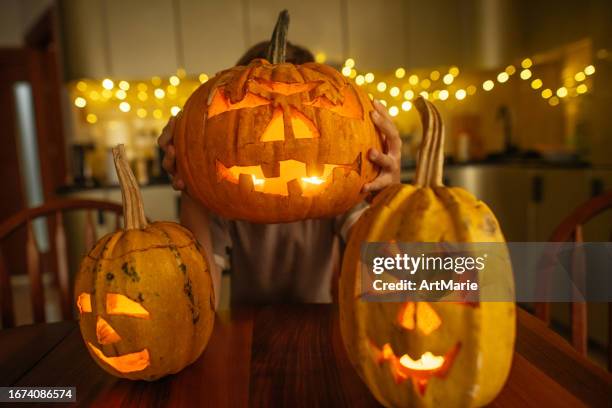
<point x="395" y="91"/>
<point x="434" y="75"/>
<point x="546" y="93"/>
<point x="381" y="86"/>
<point x="202" y="78"/>
<point x="359" y="80"/>
<point x="581" y="89"/>
<point x="141" y="113"/>
<point x="174" y="80"/>
<point x="443" y="95"/>
<point x="80" y="102"/>
<point x="413" y="79"/>
<point x="400" y="73"/>
<point x="448" y="79"/>
<point x="369" y="77"/>
<point x="353" y="73"/>
<point x="91" y="118"/>
<point x="81" y="86"/>
<point x="346" y="71"/>
<point x="124" y="107"/>
<point x="393" y="111"/>
<point x="320" y="57"/>
<point x="125" y="85"/>
<point x="502" y="77"/>
<point x="406" y="106"/>
<point x="108" y="83"/>
<point x="175" y="110"/>
<point x="525" y="74"/>
<point x="454" y="71"/>
<point x="536" y="83"/>
<point x="350" y="63"/>
<point x="580" y="76"/>
<point x="460" y="94"/>
<point x="488" y="85"/>
<point x="510" y="70"/>
<point x="589" y="70"/>
<point x="554" y="101"/>
<point x="526" y="63"/>
<point x="159" y="93"/>
<point x="562" y="92"/>
<point x="409" y="94"/>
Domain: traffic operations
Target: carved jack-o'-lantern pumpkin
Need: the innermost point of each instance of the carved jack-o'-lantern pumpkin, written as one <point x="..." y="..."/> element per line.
<point x="276" y="142"/>
<point x="426" y="353"/>
<point x="144" y="293"/>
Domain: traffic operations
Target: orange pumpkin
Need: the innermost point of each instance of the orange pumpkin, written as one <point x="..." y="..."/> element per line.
<point x="276" y="142"/>
<point x="144" y="293"/>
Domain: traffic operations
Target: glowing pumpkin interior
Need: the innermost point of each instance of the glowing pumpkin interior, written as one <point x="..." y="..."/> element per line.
<point x="116" y="304"/>
<point x="422" y="317"/>
<point x="289" y="176"/>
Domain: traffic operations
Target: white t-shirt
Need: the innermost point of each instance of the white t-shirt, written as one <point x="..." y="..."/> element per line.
<point x="281" y="263"/>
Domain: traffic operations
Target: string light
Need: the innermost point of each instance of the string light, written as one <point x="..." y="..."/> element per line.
<point x="124" y="85"/>
<point x="526" y="63"/>
<point x="525" y="74"/>
<point x="554" y="101"/>
<point x="81" y="86"/>
<point x="400" y="73"/>
<point x="91" y="118"/>
<point x="174" y="80"/>
<point x="454" y="71"/>
<point x="120" y="94"/>
<point x="546" y="93"/>
<point x="471" y="90"/>
<point x="488" y="85"/>
<point x="80" y="102"/>
<point x="582" y="89"/>
<point x="409" y="94"/>
<point x="141" y="112"/>
<point x="426" y="83"/>
<point x="562" y="92"/>
<point x="346" y="71"/>
<point x="159" y="93"/>
<point x="395" y="91"/>
<point x="460" y="94"/>
<point x="502" y="77"/>
<point x="369" y="77"/>
<point x="448" y="79"/>
<point x="108" y="84"/>
<point x="381" y="86"/>
<point x="359" y="80"/>
<point x="350" y="63"/>
<point x="413" y="79"/>
<point x="510" y="70"/>
<point x="589" y="70"/>
<point x="393" y="111"/>
<point x="175" y="110"/>
<point x="124" y="107"/>
<point x="434" y="76"/>
<point x="320" y="57"/>
<point x="406" y="106"/>
<point x="536" y="83"/>
<point x="443" y="95"/>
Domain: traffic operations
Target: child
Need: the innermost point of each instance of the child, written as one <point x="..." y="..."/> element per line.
<point x="281" y="263"/>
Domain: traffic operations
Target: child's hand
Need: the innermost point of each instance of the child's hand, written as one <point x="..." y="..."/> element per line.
<point x="390" y="161"/>
<point x="166" y="143"/>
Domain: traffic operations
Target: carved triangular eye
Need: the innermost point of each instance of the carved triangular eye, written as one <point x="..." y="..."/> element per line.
<point x="303" y="128"/>
<point x="220" y="103"/>
<point x="105" y="332"/>
<point x="117" y="304"/>
<point x="276" y="128"/>
<point x="84" y="303"/>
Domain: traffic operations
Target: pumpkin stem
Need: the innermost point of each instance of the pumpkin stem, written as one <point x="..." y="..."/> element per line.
<point x="430" y="163"/>
<point x="277" y="48"/>
<point x="133" y="209"/>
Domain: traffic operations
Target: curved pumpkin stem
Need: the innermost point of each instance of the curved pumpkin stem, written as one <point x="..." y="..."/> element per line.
<point x="430" y="163"/>
<point x="277" y="49"/>
<point x="133" y="209"/>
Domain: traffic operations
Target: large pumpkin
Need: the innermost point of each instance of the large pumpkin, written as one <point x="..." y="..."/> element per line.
<point x="144" y="294"/>
<point x="276" y="142"/>
<point x="415" y="354"/>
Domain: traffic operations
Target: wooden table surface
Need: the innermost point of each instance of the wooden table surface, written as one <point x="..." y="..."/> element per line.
<point x="282" y="356"/>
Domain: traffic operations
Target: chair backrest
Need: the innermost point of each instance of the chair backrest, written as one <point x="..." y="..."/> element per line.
<point x="58" y="253"/>
<point x="571" y="229"/>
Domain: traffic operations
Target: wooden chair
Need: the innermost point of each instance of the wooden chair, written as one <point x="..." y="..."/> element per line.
<point x="54" y="212"/>
<point x="571" y="229"/>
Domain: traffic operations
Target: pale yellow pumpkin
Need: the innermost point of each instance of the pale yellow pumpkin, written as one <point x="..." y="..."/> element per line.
<point x="469" y="346"/>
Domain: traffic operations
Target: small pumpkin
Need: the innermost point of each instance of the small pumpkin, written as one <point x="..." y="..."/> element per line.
<point x="413" y="354"/>
<point x="144" y="293"/>
<point x="276" y="142"/>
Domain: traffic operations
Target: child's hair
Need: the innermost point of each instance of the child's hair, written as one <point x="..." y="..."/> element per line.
<point x="295" y="54"/>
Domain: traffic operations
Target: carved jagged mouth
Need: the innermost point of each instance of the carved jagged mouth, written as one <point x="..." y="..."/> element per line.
<point x="286" y="177"/>
<point x="421" y="370"/>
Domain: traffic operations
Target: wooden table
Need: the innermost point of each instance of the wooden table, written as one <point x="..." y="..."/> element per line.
<point x="282" y="356"/>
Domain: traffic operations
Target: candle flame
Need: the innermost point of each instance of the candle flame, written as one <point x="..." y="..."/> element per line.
<point x="313" y="180"/>
<point x="428" y="361"/>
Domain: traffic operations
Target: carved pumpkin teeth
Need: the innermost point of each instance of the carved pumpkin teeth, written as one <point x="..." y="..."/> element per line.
<point x="294" y="188"/>
<point x="279" y="177"/>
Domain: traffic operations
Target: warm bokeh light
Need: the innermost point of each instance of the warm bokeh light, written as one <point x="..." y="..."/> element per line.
<point x="580" y="76"/>
<point x="107" y="83"/>
<point x="400" y="73"/>
<point x="81" y="86"/>
<point x="554" y="101"/>
<point x="434" y="76"/>
<point x="395" y="91"/>
<point x="124" y="107"/>
<point x="359" y="80"/>
<point x="546" y="93"/>
<point x="91" y="118"/>
<point x="471" y="89"/>
<point x="526" y="74"/>
<point x="393" y="111"/>
<point x="346" y="71"/>
<point x="80" y="102"/>
<point x="369" y="77"/>
<point x="589" y="70"/>
<point x="502" y="77"/>
<point x="510" y="69"/>
<point x="174" y="80"/>
<point x="448" y="79"/>
<point x="582" y="89"/>
<point x="488" y="85"/>
<point x="413" y="79"/>
<point x="526" y="63"/>
<point x="536" y="83"/>
<point x="443" y="95"/>
<point x="406" y="106"/>
<point x="454" y="71"/>
<point x="424" y="94"/>
<point x="141" y="113"/>
<point x="426" y="83"/>
<point x="124" y="85"/>
<point x="142" y="96"/>
<point x="175" y="110"/>
<point x="350" y="63"/>
<point x="120" y="94"/>
<point x="157" y="114"/>
<point x="460" y="94"/>
<point x="562" y="92"/>
<point x="202" y="78"/>
<point x="409" y="94"/>
<point x="320" y="57"/>
<point x="381" y="86"/>
<point x="156" y="81"/>
<point x="159" y="93"/>
<point x="142" y="87"/>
